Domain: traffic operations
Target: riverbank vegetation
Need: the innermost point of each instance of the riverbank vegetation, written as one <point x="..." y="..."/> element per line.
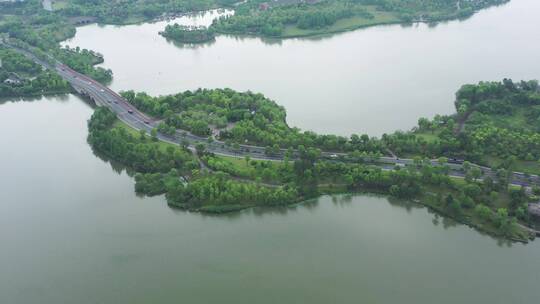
<point x="188" y="34"/>
<point x="128" y="12"/>
<point x="222" y="184"/>
<point x="138" y="151"/>
<point x="497" y="124"/>
<point x="164" y="168"/>
<point x="489" y="205"/>
<point x="84" y="61"/>
<point x="488" y="115"/>
<point x="241" y="118"/>
<point x="20" y="76"/>
<point x="311" y="17"/>
<point x="28" y="26"/>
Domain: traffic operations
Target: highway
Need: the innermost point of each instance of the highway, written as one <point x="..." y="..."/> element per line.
<point x="104" y="96"/>
<point x="126" y="112"/>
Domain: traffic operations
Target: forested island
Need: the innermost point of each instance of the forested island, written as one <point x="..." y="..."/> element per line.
<point x="188" y="34"/>
<point x="490" y="116"/>
<point x="207" y="182"/>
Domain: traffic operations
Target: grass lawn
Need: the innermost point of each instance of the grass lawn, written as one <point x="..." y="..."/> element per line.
<point x="529" y="167"/>
<point x="342" y="25"/>
<point x="516" y="120"/>
<point x="59" y="4"/>
<point x="134" y="20"/>
<point x="239" y="163"/>
<point x="6" y="18"/>
<point x="162" y="145"/>
<point x="467" y="215"/>
<point x="241" y="168"/>
<point x="428" y="137"/>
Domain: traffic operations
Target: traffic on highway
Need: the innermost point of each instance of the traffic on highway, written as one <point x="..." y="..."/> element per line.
<point x="102" y="95"/>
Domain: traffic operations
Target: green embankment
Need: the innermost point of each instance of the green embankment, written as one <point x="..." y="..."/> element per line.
<point x="344" y="25"/>
<point x="248" y="172"/>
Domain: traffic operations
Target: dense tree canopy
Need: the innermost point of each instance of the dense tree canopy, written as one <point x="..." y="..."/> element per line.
<point x="136" y="151"/>
<point x="494" y="119"/>
<point x="188" y="34"/>
<point x="242" y="118"/>
<point x="41" y="31"/>
<point x="19" y="76"/>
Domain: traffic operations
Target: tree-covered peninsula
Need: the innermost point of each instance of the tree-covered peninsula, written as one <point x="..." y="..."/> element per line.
<point x="495" y="124"/>
<point x="212" y="183"/>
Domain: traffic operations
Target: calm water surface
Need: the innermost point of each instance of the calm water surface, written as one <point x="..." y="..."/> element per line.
<point x="73" y="231"/>
<point x="368" y="81"/>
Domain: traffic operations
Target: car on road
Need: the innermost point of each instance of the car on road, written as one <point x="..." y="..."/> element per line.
<point x="102" y="90"/>
<point x="130" y="111"/>
<point x="456" y="161"/>
<point x="147" y="122"/>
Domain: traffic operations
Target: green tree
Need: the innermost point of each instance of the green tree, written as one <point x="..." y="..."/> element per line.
<point x="154" y="133"/>
<point x="200" y="148"/>
<point x="142" y="134"/>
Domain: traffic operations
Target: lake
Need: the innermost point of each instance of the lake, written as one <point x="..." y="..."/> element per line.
<point x="373" y="81"/>
<point x="73" y="230"/>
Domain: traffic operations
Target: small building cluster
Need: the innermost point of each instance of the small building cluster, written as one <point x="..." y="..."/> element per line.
<point x="13" y="80"/>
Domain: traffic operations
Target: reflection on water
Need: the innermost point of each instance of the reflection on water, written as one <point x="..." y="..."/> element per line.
<point x="57" y="98"/>
<point x="190" y="46"/>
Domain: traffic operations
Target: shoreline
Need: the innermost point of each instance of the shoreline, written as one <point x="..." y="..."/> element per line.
<point x="330" y="189"/>
<point x="229" y="209"/>
<point x="313" y="34"/>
